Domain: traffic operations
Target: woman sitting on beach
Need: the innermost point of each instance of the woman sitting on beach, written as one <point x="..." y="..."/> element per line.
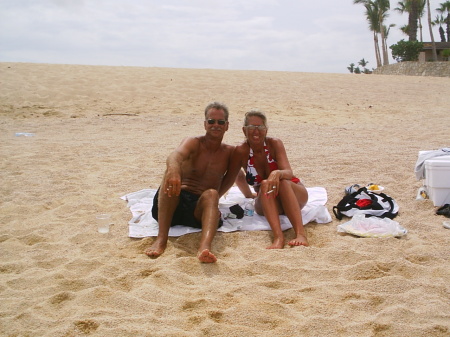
<point x="268" y="170"/>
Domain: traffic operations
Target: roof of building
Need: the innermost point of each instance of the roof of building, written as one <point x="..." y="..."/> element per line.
<point x="439" y="45"/>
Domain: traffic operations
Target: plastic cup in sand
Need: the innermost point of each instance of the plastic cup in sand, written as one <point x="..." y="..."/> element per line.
<point x="103" y="222"/>
<point x="24" y="134"/>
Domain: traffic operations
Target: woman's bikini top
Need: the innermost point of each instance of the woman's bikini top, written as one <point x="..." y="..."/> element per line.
<point x="253" y="178"/>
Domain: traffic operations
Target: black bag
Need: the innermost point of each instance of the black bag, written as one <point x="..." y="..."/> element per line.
<point x="237" y="210"/>
<point x="366" y="202"/>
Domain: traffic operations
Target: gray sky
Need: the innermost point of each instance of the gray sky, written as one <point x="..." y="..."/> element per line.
<point x="281" y="35"/>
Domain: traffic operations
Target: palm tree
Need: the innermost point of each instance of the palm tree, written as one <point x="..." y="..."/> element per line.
<point x="412" y="19"/>
<point x="422" y="4"/>
<point x="402" y="9"/>
<point x="351" y="68"/>
<point x="376" y="13"/>
<point x="372" y="17"/>
<point x="363" y="62"/>
<point x="445" y="9"/>
<point x="404" y="29"/>
<point x="383" y="8"/>
<point x="421" y="13"/>
<point x="439" y="21"/>
<point x="415" y="9"/>
<point x="387" y="29"/>
<point x="433" y="44"/>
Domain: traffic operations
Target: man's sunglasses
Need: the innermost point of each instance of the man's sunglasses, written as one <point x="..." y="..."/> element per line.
<point x="219" y="121"/>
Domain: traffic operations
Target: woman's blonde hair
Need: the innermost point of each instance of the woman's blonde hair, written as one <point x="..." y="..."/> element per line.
<point x="255" y="113"/>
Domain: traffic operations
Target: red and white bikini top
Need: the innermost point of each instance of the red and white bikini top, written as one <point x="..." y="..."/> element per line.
<point x="252" y="176"/>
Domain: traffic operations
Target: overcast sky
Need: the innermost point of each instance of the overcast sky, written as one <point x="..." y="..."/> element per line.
<point x="281" y="35"/>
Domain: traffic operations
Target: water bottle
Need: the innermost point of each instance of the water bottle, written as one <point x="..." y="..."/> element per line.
<point x="249" y="209"/>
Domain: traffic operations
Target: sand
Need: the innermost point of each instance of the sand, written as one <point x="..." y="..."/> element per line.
<point x="102" y="132"/>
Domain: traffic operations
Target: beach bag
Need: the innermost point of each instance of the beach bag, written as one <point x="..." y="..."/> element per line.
<point x="366" y="202"/>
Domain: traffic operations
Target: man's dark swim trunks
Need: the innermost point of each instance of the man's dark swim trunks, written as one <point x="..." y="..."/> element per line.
<point x="184" y="213"/>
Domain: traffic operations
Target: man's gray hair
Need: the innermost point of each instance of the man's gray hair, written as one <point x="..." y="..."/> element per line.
<point x="218" y="106"/>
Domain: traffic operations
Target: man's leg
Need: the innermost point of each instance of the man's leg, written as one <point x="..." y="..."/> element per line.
<point x="208" y="213"/>
<point x="166" y="208"/>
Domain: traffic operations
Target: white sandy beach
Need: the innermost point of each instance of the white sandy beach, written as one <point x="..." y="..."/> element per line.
<point x="102" y="132"/>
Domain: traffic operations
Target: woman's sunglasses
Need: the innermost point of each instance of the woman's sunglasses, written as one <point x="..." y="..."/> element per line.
<point x="254" y="127"/>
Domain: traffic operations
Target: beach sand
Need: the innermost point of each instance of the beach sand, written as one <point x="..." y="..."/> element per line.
<point x="103" y="132"/>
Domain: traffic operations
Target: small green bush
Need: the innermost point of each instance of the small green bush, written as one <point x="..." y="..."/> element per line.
<point x="446" y="54"/>
<point x="406" y="50"/>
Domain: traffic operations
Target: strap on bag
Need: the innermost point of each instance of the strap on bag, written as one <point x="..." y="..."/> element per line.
<point x="349" y="202"/>
<point x="390" y="213"/>
<point x="345" y="204"/>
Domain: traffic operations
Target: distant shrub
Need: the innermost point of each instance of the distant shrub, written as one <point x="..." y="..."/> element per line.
<point x="357" y="70"/>
<point x="446" y="54"/>
<point x="406" y="50"/>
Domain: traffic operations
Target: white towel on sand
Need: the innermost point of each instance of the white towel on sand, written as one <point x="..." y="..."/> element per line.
<point x="142" y="223"/>
<point x="419" y="170"/>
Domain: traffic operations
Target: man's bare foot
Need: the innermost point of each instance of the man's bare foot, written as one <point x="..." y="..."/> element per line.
<point x="156" y="249"/>
<point x="300" y="240"/>
<point x="206" y="256"/>
<point x="278" y="243"/>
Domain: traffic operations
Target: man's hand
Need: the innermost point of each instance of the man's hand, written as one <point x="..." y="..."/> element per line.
<point x="172" y="184"/>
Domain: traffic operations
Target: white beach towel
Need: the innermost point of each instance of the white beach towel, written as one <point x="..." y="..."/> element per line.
<point x="419" y="169"/>
<point x="142" y="223"/>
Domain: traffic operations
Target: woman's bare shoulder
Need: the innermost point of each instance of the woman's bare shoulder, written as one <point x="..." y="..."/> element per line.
<point x="276" y="147"/>
<point x="273" y="141"/>
<point x="242" y="148"/>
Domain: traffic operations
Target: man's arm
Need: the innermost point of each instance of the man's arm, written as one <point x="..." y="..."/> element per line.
<point x="172" y="178"/>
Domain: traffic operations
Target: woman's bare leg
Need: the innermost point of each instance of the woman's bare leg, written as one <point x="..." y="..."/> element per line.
<point x="293" y="198"/>
<point x="241" y="183"/>
<point x="268" y="206"/>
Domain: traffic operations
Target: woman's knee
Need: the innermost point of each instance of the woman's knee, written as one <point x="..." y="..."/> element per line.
<point x="301" y="194"/>
<point x="285" y="183"/>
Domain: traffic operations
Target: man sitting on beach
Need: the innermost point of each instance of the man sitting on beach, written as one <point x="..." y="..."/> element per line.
<point x="188" y="194"/>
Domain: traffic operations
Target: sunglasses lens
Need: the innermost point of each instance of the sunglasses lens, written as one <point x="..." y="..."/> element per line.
<point x="219" y="121"/>
<point x="254" y="127"/>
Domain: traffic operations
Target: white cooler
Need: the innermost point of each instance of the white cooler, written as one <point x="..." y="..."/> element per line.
<point x="437" y="179"/>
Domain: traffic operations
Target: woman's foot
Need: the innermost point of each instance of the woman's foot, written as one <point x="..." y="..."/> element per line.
<point x="300" y="240"/>
<point x="278" y="243"/>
